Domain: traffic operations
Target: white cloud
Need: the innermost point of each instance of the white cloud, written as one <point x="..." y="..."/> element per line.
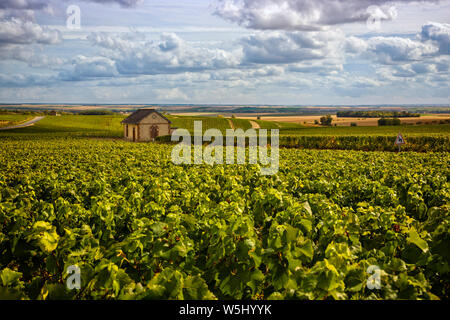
<point x="354" y="45"/>
<point x="23" y="4"/>
<point x="15" y="31"/>
<point x="320" y="67"/>
<point x="438" y="33"/>
<point x="394" y="50"/>
<point x="85" y="68"/>
<point x="170" y="55"/>
<point x="208" y="61"/>
<point x="304" y="14"/>
<point x="25" y="80"/>
<point x="170" y="94"/>
<point x="236" y="74"/>
<point x="19" y="31"/>
<point x="291" y="47"/>
<point x="15" y="52"/>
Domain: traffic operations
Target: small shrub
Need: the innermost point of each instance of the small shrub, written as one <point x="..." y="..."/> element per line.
<point x="389" y="122"/>
<point x="326" y="120"/>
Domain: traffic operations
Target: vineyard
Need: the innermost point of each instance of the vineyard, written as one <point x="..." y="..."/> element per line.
<point x="140" y="227"/>
<point x="423" y="138"/>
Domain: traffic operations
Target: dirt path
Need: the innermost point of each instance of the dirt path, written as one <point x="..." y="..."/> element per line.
<point x="231" y="123"/>
<point x="23" y="125"/>
<point x="255" y="125"/>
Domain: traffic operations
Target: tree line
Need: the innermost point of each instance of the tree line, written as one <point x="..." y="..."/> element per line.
<point x="376" y="114"/>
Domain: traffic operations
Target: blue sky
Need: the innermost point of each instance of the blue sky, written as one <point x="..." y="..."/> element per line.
<point x="299" y="52"/>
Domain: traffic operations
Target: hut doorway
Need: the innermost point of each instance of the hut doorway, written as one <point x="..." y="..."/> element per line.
<point x="154" y="132"/>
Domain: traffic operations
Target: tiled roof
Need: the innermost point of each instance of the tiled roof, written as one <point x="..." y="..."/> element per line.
<point x="137" y="116"/>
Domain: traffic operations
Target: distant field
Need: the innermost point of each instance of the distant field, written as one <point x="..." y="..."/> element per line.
<point x="110" y="126"/>
<point x="419" y="138"/>
<point x="419" y="130"/>
<point x="195" y="114"/>
<point x="186" y="122"/>
<point x="7" y="120"/>
<point x="107" y="126"/>
<point x="242" y="124"/>
<point x="310" y="120"/>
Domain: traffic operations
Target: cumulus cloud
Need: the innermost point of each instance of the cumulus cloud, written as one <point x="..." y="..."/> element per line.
<point x="170" y="41"/>
<point x="394" y="50"/>
<point x="19" y="31"/>
<point x="15" y="31"/>
<point x="291" y="47"/>
<point x="22" y="9"/>
<point x="15" y="52"/>
<point x="354" y="45"/>
<point x="28" y="80"/>
<point x="23" y="4"/>
<point x="438" y="33"/>
<point x="235" y="74"/>
<point x="170" y="94"/>
<point x="86" y="68"/>
<point x="321" y="67"/>
<point x="170" y="55"/>
<point x="24" y="15"/>
<point x="303" y="14"/>
<point x="442" y="63"/>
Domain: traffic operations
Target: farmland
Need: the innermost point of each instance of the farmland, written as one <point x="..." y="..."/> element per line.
<point x="110" y="126"/>
<point x="424" y="119"/>
<point x="12" y="119"/>
<point x="140" y="227"/>
<point x="420" y="138"/>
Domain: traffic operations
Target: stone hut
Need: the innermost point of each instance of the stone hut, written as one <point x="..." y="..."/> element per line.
<point x="145" y="125"/>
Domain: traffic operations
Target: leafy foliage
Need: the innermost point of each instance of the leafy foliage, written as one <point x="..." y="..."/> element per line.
<point x="326" y="120"/>
<point x="140" y="227"/>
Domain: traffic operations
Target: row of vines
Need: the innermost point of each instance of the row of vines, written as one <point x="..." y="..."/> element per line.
<point x="140" y="227"/>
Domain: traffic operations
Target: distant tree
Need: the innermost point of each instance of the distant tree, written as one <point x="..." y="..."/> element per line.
<point x="353" y="124"/>
<point x="376" y="114"/>
<point x="258" y="118"/>
<point x="316" y="121"/>
<point x="389" y="122"/>
<point x="326" y="120"/>
<point x="233" y="116"/>
<point x="97" y="113"/>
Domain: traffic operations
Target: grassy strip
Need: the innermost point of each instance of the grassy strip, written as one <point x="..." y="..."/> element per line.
<point x="241" y="124"/>
<point x="13" y="120"/>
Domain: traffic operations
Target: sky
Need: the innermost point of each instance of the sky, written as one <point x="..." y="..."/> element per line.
<point x="265" y="52"/>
